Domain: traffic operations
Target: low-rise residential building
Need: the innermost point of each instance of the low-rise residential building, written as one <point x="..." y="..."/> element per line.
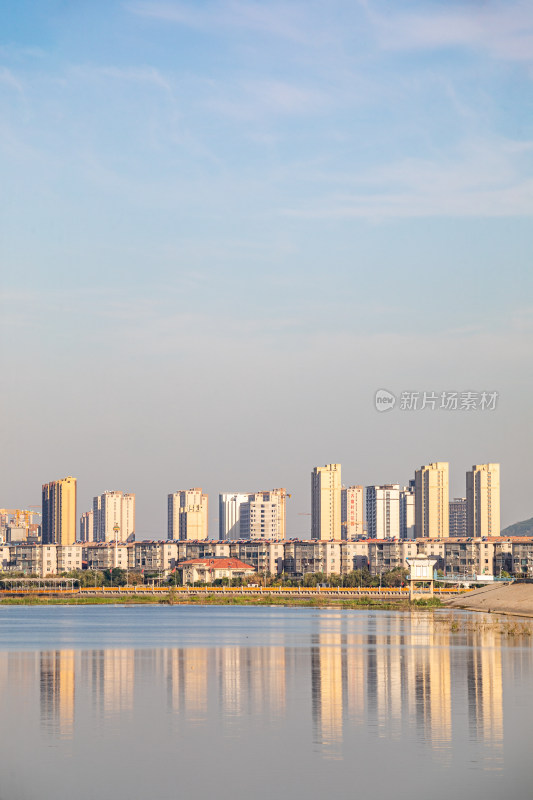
<point x="207" y="570"/>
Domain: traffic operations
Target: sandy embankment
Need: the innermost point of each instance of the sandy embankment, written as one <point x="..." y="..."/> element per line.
<point x="505" y="599"/>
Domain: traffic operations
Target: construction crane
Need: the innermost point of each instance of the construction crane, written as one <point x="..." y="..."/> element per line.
<point x="20" y="514"/>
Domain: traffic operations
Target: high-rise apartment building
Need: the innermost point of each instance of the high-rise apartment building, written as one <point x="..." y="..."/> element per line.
<point x="326" y="502"/>
<point x="458" y="518"/>
<point x="262" y="516"/>
<point x="383" y="511"/>
<point x="407" y="511"/>
<point x="229" y="514"/>
<point x="86" y="527"/>
<point x="187" y="515"/>
<point x="113" y="517"/>
<point x="352" y="502"/>
<point x="253" y="515"/>
<point x="432" y="510"/>
<point x="59" y="511"/>
<point x="483" y="500"/>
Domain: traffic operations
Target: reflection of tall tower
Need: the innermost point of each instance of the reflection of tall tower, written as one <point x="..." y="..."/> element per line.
<point x="187" y="680"/>
<point x="57" y="690"/>
<point x="430" y="681"/>
<point x="326" y="687"/>
<point x="118" y="679"/>
<point x="484" y="675"/>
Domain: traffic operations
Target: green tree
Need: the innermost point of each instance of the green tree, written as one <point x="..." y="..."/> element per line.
<point x="115" y="577"/>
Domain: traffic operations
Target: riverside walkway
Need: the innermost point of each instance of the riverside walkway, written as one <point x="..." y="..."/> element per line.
<point x="254" y="591"/>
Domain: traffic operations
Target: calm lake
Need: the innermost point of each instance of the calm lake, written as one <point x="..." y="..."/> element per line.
<point x="215" y="702"/>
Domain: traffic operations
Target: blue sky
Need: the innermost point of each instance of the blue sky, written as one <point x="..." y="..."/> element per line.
<point x="226" y="224"/>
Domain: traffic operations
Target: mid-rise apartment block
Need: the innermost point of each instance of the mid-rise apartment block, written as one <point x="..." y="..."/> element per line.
<point x="59" y="511"/>
<point x="326" y="515"/>
<point x="483" y="500"/>
<point x="113" y="517"/>
<point x="352" y="502"/>
<point x="383" y="511"/>
<point x="432" y="509"/>
<point x="187" y="515"/>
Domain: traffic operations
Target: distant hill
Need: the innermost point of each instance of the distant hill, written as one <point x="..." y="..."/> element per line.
<point x="524" y="528"/>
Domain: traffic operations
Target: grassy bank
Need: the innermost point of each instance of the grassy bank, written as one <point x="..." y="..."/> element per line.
<point x="202" y="599"/>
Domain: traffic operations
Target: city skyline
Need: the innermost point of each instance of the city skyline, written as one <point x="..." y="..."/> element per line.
<point x="398" y="513"/>
<point x="234" y="224"/>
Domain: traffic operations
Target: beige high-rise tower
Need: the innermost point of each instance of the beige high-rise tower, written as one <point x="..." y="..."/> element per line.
<point x="483" y="500"/>
<point x="59" y="511"/>
<point x="432" y="511"/>
<point x="326" y="502"/>
<point x="187" y="515"/>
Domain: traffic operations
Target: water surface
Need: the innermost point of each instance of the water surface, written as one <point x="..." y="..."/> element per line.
<point x="171" y="702"/>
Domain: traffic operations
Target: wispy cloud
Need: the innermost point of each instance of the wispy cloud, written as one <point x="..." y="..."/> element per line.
<point x="482" y="180"/>
<point x="141" y="74"/>
<point x="277" y="19"/>
<point x="256" y="99"/>
<point x="504" y="30"/>
<point x="9" y="79"/>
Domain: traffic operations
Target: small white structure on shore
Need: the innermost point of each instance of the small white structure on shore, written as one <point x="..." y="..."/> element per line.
<point x="421" y="571"/>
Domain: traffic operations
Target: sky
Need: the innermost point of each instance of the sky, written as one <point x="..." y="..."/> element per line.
<point x="224" y="225"/>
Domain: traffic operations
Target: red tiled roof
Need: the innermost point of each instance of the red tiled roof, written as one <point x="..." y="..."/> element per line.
<point x="218" y="563"/>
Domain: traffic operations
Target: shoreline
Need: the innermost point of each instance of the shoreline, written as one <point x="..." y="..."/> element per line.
<point x="514" y="600"/>
<point x="201" y="599"/>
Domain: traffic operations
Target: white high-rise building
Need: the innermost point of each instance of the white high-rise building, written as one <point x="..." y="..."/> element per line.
<point x="229" y="514"/>
<point x="352" y="501"/>
<point x="483" y="500"/>
<point x="188" y="515"/>
<point x="326" y="502"/>
<point x="383" y="511"/>
<point x="113" y="516"/>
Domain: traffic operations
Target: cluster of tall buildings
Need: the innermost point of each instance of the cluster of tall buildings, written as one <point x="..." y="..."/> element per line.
<point x="422" y="509"/>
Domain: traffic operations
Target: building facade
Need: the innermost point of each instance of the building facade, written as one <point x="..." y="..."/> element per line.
<point x="352" y="502"/>
<point x="86" y="527"/>
<point x="383" y="511"/>
<point x="326" y="502"/>
<point x="407" y="512"/>
<point x="483" y="500"/>
<point x="229" y="514"/>
<point x="59" y="511"/>
<point x="188" y="515"/>
<point x="263" y="516"/>
<point x="113" y="517"/>
<point x="432" y="509"/>
<point x="458" y="517"/>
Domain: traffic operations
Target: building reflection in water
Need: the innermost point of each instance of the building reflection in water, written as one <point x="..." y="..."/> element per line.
<point x="57" y="676"/>
<point x="393" y="677"/>
<point x="484" y="682"/>
<point x="398" y="676"/>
